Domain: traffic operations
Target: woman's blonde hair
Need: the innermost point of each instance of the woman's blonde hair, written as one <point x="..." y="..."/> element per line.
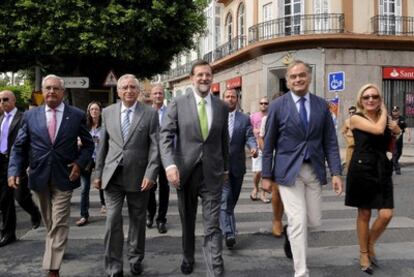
<point x="360" y="107"/>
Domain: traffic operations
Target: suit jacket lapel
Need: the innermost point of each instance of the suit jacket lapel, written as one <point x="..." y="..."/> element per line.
<point x="193" y="110"/>
<point x="295" y="115"/>
<point x="236" y="124"/>
<point x="14" y="122"/>
<point x="136" y="118"/>
<point x="65" y="120"/>
<point x="41" y="120"/>
<point x="312" y="116"/>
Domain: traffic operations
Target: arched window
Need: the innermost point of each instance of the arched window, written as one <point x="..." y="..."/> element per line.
<point x="241" y="20"/>
<point x="229" y="27"/>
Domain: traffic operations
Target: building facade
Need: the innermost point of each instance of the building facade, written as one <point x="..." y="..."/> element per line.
<point x="250" y="43"/>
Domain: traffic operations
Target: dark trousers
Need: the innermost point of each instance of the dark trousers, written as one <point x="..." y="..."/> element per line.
<point x="396" y="154"/>
<point x="85" y="189"/>
<point x="7" y="207"/>
<point x="229" y="198"/>
<point x="187" y="207"/>
<point x="163" y="198"/>
<point x="23" y="196"/>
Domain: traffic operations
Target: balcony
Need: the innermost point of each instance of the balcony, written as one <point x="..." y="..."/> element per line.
<point x="229" y="47"/>
<point x="392" y="25"/>
<point x="180" y="71"/>
<point x="297" y="25"/>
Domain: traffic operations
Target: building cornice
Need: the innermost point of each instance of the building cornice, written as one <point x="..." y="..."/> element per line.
<point x="354" y="41"/>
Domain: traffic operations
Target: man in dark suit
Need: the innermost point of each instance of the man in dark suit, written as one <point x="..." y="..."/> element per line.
<point x="10" y="124"/>
<point x="157" y="96"/>
<point x="126" y="167"/>
<point x="300" y="136"/>
<point x="47" y="141"/>
<point x="194" y="152"/>
<point x="240" y="135"/>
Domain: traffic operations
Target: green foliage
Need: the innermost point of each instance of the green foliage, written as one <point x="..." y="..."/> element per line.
<point x="66" y="36"/>
<point x="22" y="93"/>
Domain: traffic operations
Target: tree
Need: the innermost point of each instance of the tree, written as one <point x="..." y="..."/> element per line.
<point x="91" y="37"/>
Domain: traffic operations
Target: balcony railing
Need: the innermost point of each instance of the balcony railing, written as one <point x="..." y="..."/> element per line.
<point x="392" y="25"/>
<point x="230" y="47"/>
<point x="297" y="25"/>
<point x="182" y="70"/>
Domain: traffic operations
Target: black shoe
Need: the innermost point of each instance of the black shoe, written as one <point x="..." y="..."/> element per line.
<point x="136" y="269"/>
<point x="230" y="242"/>
<point x="118" y="274"/>
<point x="187" y="268"/>
<point x="398" y="171"/>
<point x="162" y="229"/>
<point x="7" y="239"/>
<point x="36" y="219"/>
<point x="286" y="247"/>
<point x="150" y="221"/>
<point x="367" y="269"/>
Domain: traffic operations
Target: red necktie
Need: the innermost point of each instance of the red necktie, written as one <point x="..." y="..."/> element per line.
<point x="52" y="126"/>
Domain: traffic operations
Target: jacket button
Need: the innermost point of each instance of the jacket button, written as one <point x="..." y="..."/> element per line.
<point x="359" y="161"/>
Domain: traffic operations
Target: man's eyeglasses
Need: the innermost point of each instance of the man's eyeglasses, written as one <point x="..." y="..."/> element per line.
<point x="374" y="97"/>
<point x="5" y="99"/>
<point x="264" y="103"/>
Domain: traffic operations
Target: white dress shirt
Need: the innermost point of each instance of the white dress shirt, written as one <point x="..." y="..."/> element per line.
<point x="131" y="114"/>
<point x="296" y="99"/>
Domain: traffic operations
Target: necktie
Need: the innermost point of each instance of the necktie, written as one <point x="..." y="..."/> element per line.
<point x="125" y="124"/>
<point x="304" y="118"/>
<point x="231" y="124"/>
<point x="5" y="133"/>
<point x="52" y="125"/>
<point x="202" y="116"/>
<point x="303" y="114"/>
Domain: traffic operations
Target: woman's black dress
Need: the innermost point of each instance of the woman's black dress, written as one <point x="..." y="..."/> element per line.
<point x="369" y="182"/>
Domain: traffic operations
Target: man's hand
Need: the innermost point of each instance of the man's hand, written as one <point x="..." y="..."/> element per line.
<point x="146" y="184"/>
<point x="97" y="183"/>
<point x="226" y="177"/>
<point x="267" y="185"/>
<point x="75" y="173"/>
<point x="337" y="185"/>
<point x="13" y="181"/>
<point x="253" y="152"/>
<point x="173" y="176"/>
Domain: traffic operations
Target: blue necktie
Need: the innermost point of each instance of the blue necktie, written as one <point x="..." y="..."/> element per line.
<point x="304" y="118"/>
<point x="303" y="114"/>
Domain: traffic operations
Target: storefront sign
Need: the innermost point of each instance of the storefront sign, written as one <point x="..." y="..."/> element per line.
<point x="215" y="88"/>
<point x="234" y="83"/>
<point x="398" y="73"/>
<point x="409" y="104"/>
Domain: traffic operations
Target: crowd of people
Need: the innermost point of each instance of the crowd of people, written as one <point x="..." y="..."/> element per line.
<point x="196" y="145"/>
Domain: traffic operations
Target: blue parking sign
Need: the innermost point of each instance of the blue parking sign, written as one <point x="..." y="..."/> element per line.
<point x="336" y="81"/>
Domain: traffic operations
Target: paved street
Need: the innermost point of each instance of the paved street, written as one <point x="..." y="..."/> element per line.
<point x="333" y="249"/>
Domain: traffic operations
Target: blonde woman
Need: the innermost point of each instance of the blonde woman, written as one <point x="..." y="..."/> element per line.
<point x="369" y="182"/>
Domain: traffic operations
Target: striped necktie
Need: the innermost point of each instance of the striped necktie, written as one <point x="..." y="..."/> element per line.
<point x="125" y="123"/>
<point x="231" y="124"/>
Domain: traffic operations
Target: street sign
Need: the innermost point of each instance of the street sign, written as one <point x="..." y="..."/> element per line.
<point x="76" y="82"/>
<point x="336" y="81"/>
<point x="110" y="80"/>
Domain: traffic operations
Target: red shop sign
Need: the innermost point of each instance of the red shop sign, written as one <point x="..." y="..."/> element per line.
<point x="215" y="87"/>
<point x="398" y="73"/>
<point x="234" y="83"/>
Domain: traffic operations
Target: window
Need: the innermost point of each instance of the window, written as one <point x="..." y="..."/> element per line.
<point x="241" y="26"/>
<point x="390" y="21"/>
<point x="293" y="12"/>
<point x="321" y="15"/>
<point x="229" y="27"/>
<point x="266" y="21"/>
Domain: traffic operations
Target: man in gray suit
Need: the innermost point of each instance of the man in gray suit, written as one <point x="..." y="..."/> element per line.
<point x="300" y="136"/>
<point x="126" y="167"/>
<point x="194" y="151"/>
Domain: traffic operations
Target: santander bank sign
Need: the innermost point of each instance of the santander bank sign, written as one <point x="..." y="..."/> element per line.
<point x="398" y="73"/>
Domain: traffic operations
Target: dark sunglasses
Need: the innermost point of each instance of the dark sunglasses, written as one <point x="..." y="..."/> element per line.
<point x="264" y="103"/>
<point x="374" y="97"/>
<point x="4" y="99"/>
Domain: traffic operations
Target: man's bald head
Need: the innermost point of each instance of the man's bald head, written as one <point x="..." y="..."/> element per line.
<point x="7" y="100"/>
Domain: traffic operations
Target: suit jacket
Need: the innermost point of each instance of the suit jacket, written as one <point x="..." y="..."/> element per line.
<point x="138" y="153"/>
<point x="182" y="144"/>
<point x="48" y="162"/>
<point x="286" y="136"/>
<point x="242" y="136"/>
